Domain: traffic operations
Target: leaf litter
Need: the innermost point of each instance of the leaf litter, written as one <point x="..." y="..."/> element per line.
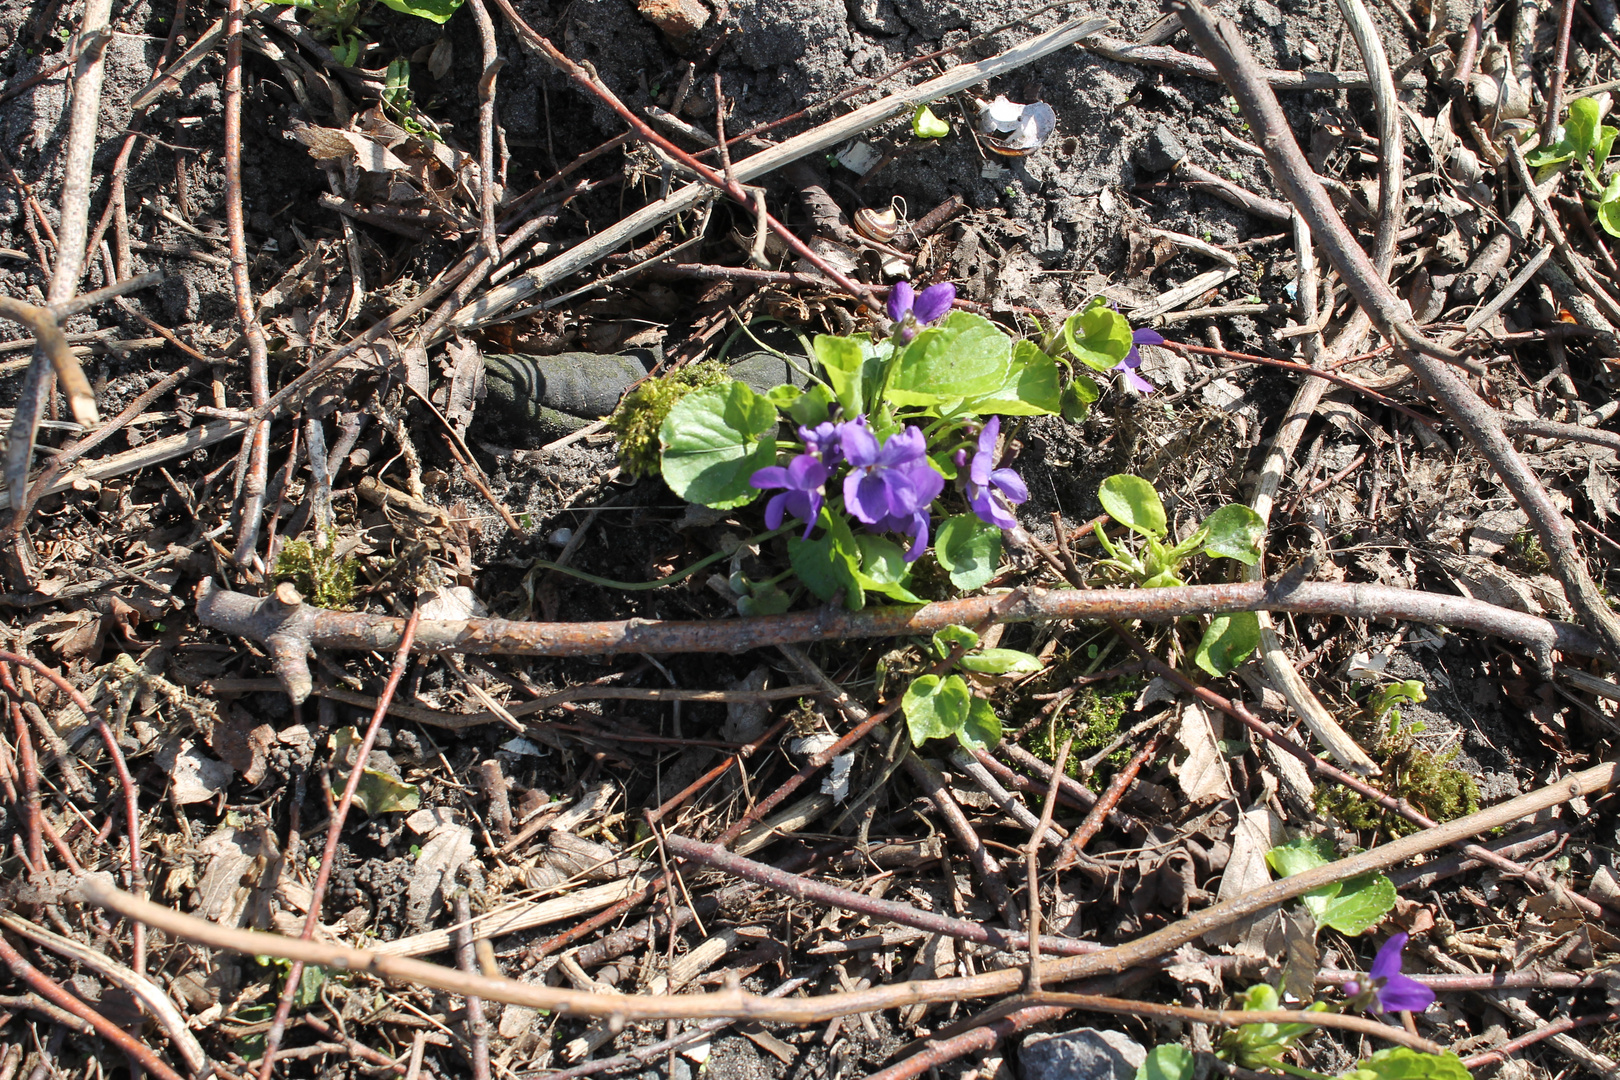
<point x="541" y="791"/>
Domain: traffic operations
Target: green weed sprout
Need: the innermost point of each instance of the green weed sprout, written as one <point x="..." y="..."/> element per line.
<point x="938" y="707"/>
<point x="1587" y="141"/>
<point x="1232" y="532"/>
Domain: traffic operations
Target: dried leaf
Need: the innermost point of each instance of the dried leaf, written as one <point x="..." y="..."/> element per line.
<point x="1204" y="773"/>
<point x="330" y="144"/>
<point x="194" y="777"/>
<point x="241" y="743"/>
<point x="1257" y="832"/>
<point x="440" y="59"/>
<point x="433" y="875"/>
<point x="466" y="385"/>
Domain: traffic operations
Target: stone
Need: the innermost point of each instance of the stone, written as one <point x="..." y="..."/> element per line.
<point x="1160" y="150"/>
<point x="680" y="19"/>
<point x="1082" y="1054"/>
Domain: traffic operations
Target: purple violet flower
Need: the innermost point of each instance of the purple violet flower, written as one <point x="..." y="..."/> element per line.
<point x="804" y="477"/>
<point x="826" y="440"/>
<point x="1133" y="360"/>
<point x="1391" y="990"/>
<point x="890" y="487"/>
<point x="993" y="492"/>
<point x="913" y="310"/>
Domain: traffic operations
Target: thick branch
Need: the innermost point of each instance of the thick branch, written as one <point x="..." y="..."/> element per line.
<point x="98" y="889"/>
<point x="290" y="628"/>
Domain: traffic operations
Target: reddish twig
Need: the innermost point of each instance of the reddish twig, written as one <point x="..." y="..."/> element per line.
<point x="1032" y="853"/>
<point x="44" y="986"/>
<point x="924" y="775"/>
<point x="821" y="892"/>
<point x="476" y="1027"/>
<point x="1560" y="66"/>
<point x="28" y="768"/>
<point x="607" y="915"/>
<point x="1069" y="790"/>
<point x="355" y="1047"/>
<point x="1221" y="43"/>
<point x="1108" y="800"/>
<point x="132" y="810"/>
<point x="254" y="465"/>
<point x="98" y="889"/>
<point x="334" y="830"/>
<point x="1315" y="373"/>
<point x="289" y="628"/>
<point x="1317" y="767"/>
<point x="1555" y="1027"/>
<point x="725" y="184"/>
<point x="486" y="133"/>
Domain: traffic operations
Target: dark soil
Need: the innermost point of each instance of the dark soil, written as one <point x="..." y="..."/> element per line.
<point x="1040" y="235"/>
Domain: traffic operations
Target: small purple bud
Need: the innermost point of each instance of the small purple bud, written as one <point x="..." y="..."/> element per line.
<point x="901" y="298"/>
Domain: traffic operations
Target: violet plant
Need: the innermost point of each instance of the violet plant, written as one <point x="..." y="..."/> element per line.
<point x="1232" y="532"/>
<point x="1352" y="907"/>
<point x="898" y="447"/>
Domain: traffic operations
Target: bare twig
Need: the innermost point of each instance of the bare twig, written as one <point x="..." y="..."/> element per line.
<point x="486" y="130"/>
<point x="289" y="628"/>
<point x="1391" y="153"/>
<point x="1560" y="66"/>
<point x="1542" y="1031"/>
<point x="804" y="888"/>
<point x="334" y="830"/>
<point x="1032" y="878"/>
<point x="255" y="463"/>
<point x="1221" y="43"/>
<point x="131" y="794"/>
<point x="1108" y="800"/>
<point x="149" y="993"/>
<point x="98" y="889"/>
<point x="1318" y="767"/>
<point x="1162" y="56"/>
<point x="1361" y="1025"/>
<point x="476" y="1026"/>
<point x="827" y="135"/>
<point x="46" y="988"/>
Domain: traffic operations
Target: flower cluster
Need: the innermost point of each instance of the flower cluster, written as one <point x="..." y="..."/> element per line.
<point x="992" y="492"/>
<point x="890" y="486"/>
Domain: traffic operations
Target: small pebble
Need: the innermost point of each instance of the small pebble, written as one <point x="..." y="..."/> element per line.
<point x="560" y="537"/>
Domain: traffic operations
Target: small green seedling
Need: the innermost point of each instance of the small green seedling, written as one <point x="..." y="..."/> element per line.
<point x="937" y="707"/>
<point x="1232" y="532"/>
<point x="1586" y="140"/>
<point x="926" y="125"/>
<point x="1351" y="907"/>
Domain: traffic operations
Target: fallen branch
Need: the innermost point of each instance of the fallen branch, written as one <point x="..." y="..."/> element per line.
<point x="1361" y="1025"/>
<point x="98" y="889"/>
<point x="820" y="892"/>
<point x="289" y="628"/>
<point x="823" y="137"/>
<point x="1180" y="63"/>
<point x="1221" y="43"/>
